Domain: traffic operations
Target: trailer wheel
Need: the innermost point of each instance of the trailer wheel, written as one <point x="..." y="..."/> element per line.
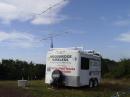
<point x="95" y="82"/>
<point x="58" y="78"/>
<point x="56" y="75"/>
<point x="91" y="83"/>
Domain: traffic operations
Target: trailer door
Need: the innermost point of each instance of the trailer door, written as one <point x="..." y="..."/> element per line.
<point x="84" y="71"/>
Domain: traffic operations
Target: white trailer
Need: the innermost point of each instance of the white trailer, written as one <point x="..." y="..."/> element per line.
<point x="73" y="67"/>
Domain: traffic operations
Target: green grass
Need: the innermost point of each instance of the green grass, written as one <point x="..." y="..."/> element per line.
<point x="106" y="89"/>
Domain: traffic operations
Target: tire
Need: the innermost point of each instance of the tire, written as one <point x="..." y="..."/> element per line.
<point x="91" y="84"/>
<point x="58" y="78"/>
<point x="95" y="82"/>
<point x="56" y="74"/>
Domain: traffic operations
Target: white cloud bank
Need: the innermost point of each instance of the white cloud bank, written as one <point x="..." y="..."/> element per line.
<point x="15" y="39"/>
<point x="24" y="10"/>
<point x="124" y="37"/>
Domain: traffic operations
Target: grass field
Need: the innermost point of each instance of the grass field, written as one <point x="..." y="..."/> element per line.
<point x="39" y="89"/>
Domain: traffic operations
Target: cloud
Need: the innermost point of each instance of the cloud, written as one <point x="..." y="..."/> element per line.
<point x="25" y="10"/>
<point x="47" y="19"/>
<point x="125" y="22"/>
<point x="124" y="37"/>
<point x="18" y="39"/>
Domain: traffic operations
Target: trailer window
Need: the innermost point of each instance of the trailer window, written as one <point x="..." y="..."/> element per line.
<point x="84" y="63"/>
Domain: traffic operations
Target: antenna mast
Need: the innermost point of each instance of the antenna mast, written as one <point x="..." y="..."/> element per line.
<point x="51" y="46"/>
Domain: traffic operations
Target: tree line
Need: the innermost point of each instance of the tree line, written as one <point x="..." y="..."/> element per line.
<point x="17" y="69"/>
<point x="113" y="69"/>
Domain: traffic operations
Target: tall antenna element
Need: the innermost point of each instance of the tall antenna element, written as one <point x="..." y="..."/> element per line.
<point x="49" y="8"/>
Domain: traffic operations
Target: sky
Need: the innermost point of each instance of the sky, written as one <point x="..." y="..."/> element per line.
<point x="100" y="25"/>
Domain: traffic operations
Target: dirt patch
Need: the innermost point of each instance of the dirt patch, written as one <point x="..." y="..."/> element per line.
<point x="13" y="92"/>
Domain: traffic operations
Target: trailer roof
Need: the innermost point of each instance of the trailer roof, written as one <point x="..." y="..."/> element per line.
<point x="80" y="49"/>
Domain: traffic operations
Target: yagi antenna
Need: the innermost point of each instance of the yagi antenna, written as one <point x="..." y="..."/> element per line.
<point x="51" y="37"/>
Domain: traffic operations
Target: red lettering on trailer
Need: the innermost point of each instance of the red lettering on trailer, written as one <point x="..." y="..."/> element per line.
<point x="63" y="69"/>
